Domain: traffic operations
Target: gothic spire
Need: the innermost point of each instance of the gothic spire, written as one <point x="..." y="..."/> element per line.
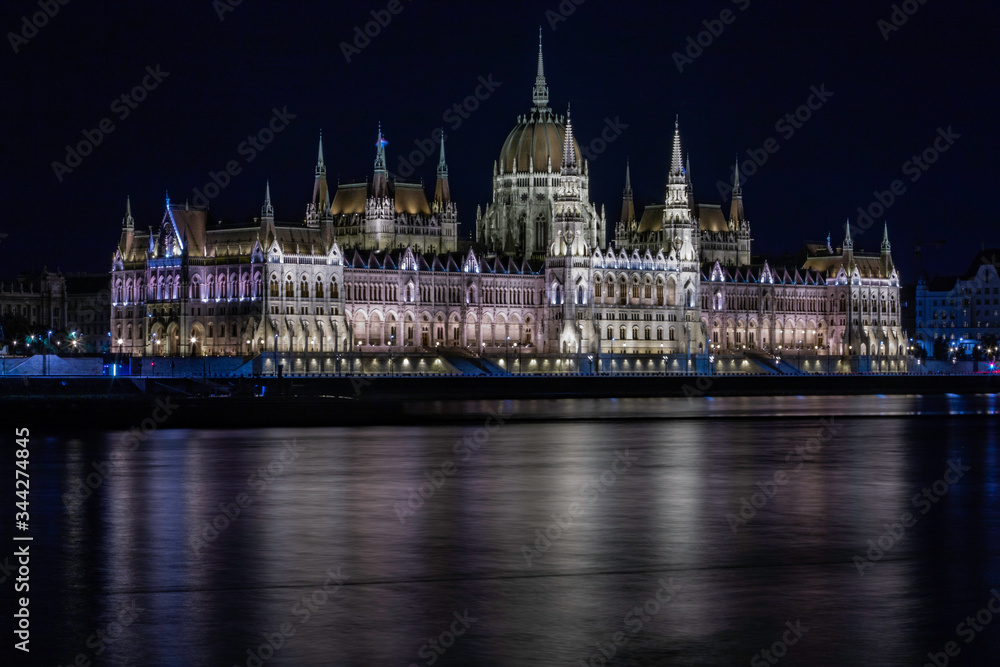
<point x="736" y="214"/>
<point x="320" y="164"/>
<point x="540" y="95"/>
<point x="380" y="186"/>
<point x="886" y="255"/>
<point x="267" y="234"/>
<point x="569" y="163"/>
<point x="628" y="207"/>
<point x="442" y="166"/>
<point x="442" y="191"/>
<point x="129" y="221"/>
<point x="677" y="174"/>
<point x="267" y="211"/>
<point x="320" y="203"/>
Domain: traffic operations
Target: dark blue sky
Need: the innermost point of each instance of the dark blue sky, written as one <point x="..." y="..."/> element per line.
<point x="610" y="60"/>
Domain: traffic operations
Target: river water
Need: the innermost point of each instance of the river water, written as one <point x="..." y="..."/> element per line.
<point x="640" y="532"/>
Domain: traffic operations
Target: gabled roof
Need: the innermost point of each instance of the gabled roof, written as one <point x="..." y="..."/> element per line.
<point x="711" y="218"/>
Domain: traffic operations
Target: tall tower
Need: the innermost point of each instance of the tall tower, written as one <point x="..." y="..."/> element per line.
<point x="380" y="221"/>
<point x="443" y="206"/>
<point x="568" y="261"/>
<point x="738" y="222"/>
<point x="679" y="225"/>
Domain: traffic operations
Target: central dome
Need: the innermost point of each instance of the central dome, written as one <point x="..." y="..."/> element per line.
<point x="537" y="136"/>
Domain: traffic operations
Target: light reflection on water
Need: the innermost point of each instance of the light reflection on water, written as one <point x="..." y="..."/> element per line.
<point x="135" y="540"/>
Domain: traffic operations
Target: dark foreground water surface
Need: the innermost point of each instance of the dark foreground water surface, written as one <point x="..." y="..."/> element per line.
<point x="799" y="526"/>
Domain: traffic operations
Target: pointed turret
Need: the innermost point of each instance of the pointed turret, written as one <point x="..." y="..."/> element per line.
<point x="677" y="157"/>
<point x="885" y="258"/>
<point x="540" y="94"/>
<point x="128" y="220"/>
<point x="128" y="229"/>
<point x="442" y="191"/>
<point x="679" y="191"/>
<point x="267" y="234"/>
<point x="569" y="158"/>
<point x="848" y="249"/>
<point x="267" y="211"/>
<point x="628" y="207"/>
<point x="380" y="183"/>
<point x="320" y="204"/>
<point x="736" y="214"/>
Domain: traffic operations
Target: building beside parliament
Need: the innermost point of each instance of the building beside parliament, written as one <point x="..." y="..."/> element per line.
<point x="378" y="268"/>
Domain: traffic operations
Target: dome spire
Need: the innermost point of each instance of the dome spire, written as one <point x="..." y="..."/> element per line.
<point x="540" y="95"/>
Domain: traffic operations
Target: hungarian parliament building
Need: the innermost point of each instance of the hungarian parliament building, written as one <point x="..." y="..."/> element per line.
<point x="379" y="268"/>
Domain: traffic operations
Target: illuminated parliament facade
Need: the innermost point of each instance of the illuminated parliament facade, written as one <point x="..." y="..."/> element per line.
<point x="377" y="268"/>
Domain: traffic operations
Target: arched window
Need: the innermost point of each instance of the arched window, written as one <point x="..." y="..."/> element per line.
<point x="659" y="333"/>
<point x="671" y="334"/>
<point x="319" y="287"/>
<point x="648" y="334"/>
<point x="611" y="333"/>
<point x="304" y="289"/>
<point x="334" y="289"/>
<point x="274" y="286"/>
<point x="289" y="288"/>
<point x="621" y="333"/>
<point x="635" y="333"/>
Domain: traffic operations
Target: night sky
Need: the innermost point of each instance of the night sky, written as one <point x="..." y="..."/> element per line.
<point x="222" y="77"/>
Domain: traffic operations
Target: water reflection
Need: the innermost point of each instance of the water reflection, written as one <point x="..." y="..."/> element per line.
<point x="162" y="530"/>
